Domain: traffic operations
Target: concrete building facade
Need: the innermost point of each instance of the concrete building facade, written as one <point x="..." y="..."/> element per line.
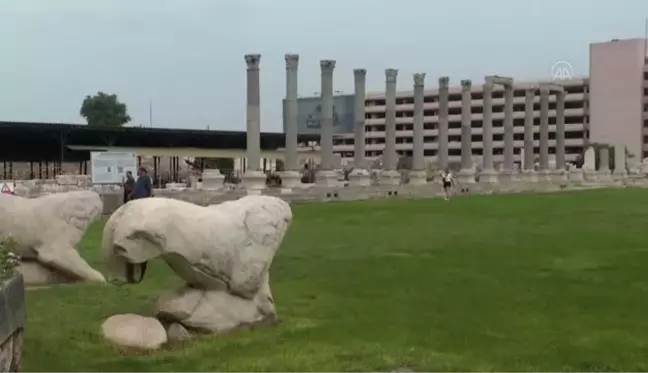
<point x="618" y="99"/>
<point x="576" y="120"/>
<point x="610" y="106"/>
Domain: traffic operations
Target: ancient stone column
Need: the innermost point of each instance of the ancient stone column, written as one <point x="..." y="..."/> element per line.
<point x="442" y="154"/>
<point x="253" y="113"/>
<point x="466" y="175"/>
<point x="360" y="77"/>
<point x="560" y="130"/>
<point x="390" y="176"/>
<point x="253" y="179"/>
<point x="291" y="177"/>
<point x="418" y="175"/>
<point x="603" y="173"/>
<point x="487" y="172"/>
<point x="326" y="176"/>
<point x="508" y="130"/>
<point x="466" y="125"/>
<point x="544" y="129"/>
<point x="359" y="176"/>
<point x="604" y="160"/>
<point x="528" y="161"/>
<point x="620" y="162"/>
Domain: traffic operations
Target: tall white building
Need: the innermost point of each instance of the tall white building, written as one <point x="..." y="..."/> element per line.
<point x="576" y="122"/>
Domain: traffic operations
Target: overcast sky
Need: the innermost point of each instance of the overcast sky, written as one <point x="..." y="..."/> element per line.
<point x="186" y="56"/>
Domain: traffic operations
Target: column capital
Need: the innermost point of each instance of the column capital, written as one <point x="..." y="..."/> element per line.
<point x="419" y="79"/>
<point x="391" y="74"/>
<point x="552" y="87"/>
<point x="466" y="84"/>
<point x="252" y="60"/>
<point x="531" y="90"/>
<point x="359" y="73"/>
<point x="292" y="61"/>
<point x="327" y="65"/>
<point x="544" y="90"/>
<point x="444" y="81"/>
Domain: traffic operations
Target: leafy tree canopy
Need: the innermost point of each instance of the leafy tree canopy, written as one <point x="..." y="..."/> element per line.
<point x="104" y="110"/>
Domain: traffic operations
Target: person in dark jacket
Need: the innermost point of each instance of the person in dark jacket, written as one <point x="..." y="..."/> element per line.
<point x="129" y="186"/>
<point x="143" y="186"/>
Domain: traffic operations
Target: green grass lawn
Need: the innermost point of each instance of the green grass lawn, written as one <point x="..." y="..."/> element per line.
<point x="508" y="283"/>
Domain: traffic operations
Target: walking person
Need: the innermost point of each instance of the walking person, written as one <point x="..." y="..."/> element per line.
<point x="448" y="181"/>
<point x="129" y="186"/>
<point x="143" y="186"/>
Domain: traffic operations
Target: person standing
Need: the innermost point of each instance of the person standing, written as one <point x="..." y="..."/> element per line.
<point x="143" y="186"/>
<point x="129" y="186"/>
<point x="448" y="182"/>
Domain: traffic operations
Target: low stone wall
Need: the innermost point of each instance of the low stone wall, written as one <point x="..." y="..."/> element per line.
<point x="12" y="323"/>
<point x="311" y="194"/>
<point x="113" y="195"/>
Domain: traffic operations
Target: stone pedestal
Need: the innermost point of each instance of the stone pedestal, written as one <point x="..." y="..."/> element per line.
<point x="290" y="179"/>
<point x="212" y="179"/>
<point x="489" y="176"/>
<point x="175" y="186"/>
<point x="508" y="176"/>
<point x="635" y="179"/>
<point x="327" y="178"/>
<point x="466" y="176"/>
<point x="558" y="176"/>
<point x="193" y="181"/>
<point x="604" y="176"/>
<point x="590" y="175"/>
<point x="545" y="176"/>
<point x="620" y="175"/>
<point x="576" y="175"/>
<point x="360" y="177"/>
<point x="529" y="176"/>
<point x="253" y="181"/>
<point x="390" y="178"/>
<point x="418" y="177"/>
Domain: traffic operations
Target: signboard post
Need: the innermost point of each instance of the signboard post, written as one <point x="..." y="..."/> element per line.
<point x="7" y="187"/>
<point x="111" y="167"/>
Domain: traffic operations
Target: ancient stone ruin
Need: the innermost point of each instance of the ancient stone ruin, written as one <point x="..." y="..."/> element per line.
<point x="223" y="253"/>
<point x="45" y="232"/>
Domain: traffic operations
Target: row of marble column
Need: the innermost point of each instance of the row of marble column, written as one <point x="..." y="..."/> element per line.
<point x="390" y="156"/>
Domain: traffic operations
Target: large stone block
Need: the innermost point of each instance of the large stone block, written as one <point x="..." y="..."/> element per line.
<point x="217" y="312"/>
<point x="49" y="228"/>
<point x="134" y="331"/>
<point x="223" y="253"/>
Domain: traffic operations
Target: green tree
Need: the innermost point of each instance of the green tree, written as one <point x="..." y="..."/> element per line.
<point x="104" y="110"/>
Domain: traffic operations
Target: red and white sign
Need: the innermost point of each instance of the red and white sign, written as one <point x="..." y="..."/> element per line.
<point x="8" y="187"/>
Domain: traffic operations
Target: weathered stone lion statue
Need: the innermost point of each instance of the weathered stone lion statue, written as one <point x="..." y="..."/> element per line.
<point x="223" y="252"/>
<point x="46" y="231"/>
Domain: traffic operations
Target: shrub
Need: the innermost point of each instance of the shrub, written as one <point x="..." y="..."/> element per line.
<point x="8" y="260"/>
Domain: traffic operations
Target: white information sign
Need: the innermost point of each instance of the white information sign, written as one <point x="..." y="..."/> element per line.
<point x="111" y="167"/>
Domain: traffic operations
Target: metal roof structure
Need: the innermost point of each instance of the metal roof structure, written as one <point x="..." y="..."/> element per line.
<point x="27" y="141"/>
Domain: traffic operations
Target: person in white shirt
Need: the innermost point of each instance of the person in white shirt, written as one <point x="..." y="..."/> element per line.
<point x="448" y="181"/>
